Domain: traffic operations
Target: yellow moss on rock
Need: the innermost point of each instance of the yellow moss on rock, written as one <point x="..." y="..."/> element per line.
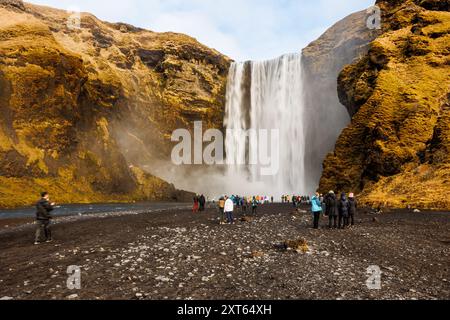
<point x="387" y="152"/>
<point x="70" y="96"/>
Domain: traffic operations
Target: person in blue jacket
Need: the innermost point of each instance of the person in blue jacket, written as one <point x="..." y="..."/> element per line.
<point x="316" y="208"/>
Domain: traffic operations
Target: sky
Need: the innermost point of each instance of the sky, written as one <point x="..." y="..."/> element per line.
<point x="241" y="29"/>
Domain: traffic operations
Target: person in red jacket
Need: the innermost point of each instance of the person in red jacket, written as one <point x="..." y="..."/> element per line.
<point x="196" y="206"/>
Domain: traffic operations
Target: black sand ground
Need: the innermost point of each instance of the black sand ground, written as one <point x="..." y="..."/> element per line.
<point x="181" y="255"/>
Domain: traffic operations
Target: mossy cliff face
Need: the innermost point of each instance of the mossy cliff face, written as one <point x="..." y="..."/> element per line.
<point x="395" y="151"/>
<point x="80" y="106"/>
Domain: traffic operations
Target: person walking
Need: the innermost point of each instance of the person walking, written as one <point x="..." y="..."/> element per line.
<point x="294" y="201"/>
<point x="353" y="206"/>
<point x="316" y="208"/>
<point x="43" y="218"/>
<point x="202" y="203"/>
<point x="331" y="209"/>
<point x="195" y="208"/>
<point x="244" y="205"/>
<point x="229" y="207"/>
<point x="222" y="209"/>
<point x="343" y="211"/>
<point x="254" y="206"/>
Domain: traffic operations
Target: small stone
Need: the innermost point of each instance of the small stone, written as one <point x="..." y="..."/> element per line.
<point x="6" y="298"/>
<point x="162" y="279"/>
<point x="72" y="296"/>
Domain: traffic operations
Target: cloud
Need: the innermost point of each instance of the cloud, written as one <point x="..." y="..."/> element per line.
<point x="242" y="29"/>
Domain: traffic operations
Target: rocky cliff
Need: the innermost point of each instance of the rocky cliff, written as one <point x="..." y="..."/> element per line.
<point x="323" y="60"/>
<point x="80" y="103"/>
<point x="395" y="152"/>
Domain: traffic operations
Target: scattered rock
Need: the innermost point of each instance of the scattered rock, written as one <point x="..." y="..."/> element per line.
<point x="247" y="219"/>
<point x="297" y="245"/>
<point x="295" y="212"/>
<point x="257" y="254"/>
<point x="162" y="279"/>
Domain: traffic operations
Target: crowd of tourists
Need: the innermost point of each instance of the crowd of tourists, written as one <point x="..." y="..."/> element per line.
<point x="228" y="205"/>
<point x="340" y="210"/>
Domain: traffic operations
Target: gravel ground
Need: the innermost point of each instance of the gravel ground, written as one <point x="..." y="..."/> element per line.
<point x="176" y="254"/>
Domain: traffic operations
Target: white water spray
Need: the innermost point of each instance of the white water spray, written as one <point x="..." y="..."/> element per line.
<point x="265" y="96"/>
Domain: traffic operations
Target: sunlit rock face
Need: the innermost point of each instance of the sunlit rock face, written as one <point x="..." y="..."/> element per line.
<point x="83" y="107"/>
<point x="396" y="149"/>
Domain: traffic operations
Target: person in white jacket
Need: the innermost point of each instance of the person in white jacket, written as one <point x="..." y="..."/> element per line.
<point x="229" y="208"/>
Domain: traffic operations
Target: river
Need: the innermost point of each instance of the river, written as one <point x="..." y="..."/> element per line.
<point x="82" y="209"/>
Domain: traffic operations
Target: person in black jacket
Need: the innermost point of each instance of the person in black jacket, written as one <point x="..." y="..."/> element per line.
<point x="353" y="205"/>
<point x="202" y="202"/>
<point x="331" y="209"/>
<point x="43" y="217"/>
<point x="343" y="211"/>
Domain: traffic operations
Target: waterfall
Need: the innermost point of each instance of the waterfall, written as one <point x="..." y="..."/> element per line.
<point x="266" y="95"/>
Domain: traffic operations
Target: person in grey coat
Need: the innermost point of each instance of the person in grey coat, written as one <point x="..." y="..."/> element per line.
<point x="43" y="217"/>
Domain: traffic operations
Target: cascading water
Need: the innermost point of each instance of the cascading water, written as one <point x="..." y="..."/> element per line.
<point x="267" y="95"/>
